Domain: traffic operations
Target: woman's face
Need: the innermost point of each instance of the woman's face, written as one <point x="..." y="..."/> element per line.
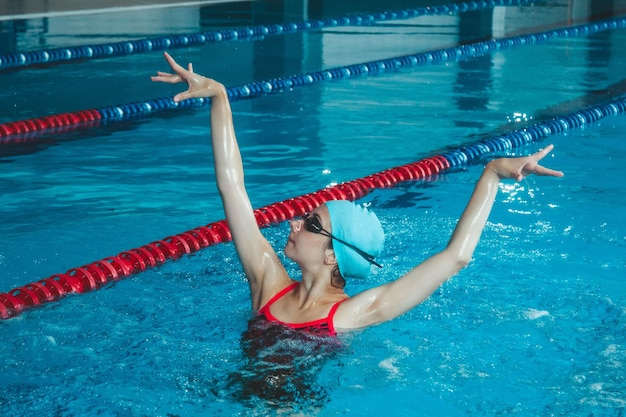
<point x="304" y="247"/>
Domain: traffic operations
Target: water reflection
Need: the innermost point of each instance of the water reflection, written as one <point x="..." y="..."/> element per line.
<point x="472" y="89"/>
<point x="281" y="367"/>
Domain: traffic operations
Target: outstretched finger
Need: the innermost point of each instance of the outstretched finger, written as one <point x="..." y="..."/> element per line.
<point x="543" y="171"/>
<point x="166" y="78"/>
<point x="175" y="66"/>
<point x="543" y="153"/>
<point x="182" y="96"/>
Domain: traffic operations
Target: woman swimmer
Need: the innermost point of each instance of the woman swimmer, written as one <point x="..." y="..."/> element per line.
<point x="337" y="240"/>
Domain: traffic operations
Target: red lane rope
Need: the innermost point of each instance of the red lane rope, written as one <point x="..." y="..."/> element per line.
<point x="97" y="274"/>
<point x="25" y="130"/>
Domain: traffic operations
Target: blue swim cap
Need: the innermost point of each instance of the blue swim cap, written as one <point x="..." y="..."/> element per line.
<point x="359" y="227"/>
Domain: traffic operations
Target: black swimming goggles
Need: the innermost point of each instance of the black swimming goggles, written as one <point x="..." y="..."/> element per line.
<point x="312" y="224"/>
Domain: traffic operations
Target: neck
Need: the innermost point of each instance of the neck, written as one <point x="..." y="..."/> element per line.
<point x="316" y="287"/>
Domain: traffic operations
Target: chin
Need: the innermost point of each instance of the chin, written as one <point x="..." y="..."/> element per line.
<point x="288" y="249"/>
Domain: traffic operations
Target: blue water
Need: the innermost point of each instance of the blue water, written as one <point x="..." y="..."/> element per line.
<point x="534" y="326"/>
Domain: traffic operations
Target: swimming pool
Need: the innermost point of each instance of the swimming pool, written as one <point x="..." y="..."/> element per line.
<point x="535" y="325"/>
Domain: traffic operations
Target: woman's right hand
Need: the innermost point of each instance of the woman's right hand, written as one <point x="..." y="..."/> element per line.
<point x="199" y="86"/>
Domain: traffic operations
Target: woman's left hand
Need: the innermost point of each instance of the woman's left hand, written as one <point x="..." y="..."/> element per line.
<point x="518" y="168"/>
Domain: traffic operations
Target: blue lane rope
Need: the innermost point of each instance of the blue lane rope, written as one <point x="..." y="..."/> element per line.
<point x="277" y="85"/>
<point x="517" y="138"/>
<point x="67" y="54"/>
<point x="447" y="54"/>
<point x="25" y="130"/>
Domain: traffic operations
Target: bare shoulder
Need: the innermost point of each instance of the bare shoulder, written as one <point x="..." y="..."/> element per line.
<point x="359" y="311"/>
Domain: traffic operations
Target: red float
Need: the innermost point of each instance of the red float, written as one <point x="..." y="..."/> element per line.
<point x="54" y="287"/>
<point x="133" y="259"/>
<point x="28" y="297"/>
<point x="69" y="284"/>
<point x="87" y="280"/>
<point x="100" y="277"/>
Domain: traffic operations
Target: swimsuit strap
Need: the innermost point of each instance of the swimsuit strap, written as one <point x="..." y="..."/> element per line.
<point x="277" y="297"/>
<point x="331" y="316"/>
<point x="326" y="322"/>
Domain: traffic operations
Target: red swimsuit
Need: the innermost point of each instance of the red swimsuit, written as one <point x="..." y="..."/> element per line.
<point x="321" y="324"/>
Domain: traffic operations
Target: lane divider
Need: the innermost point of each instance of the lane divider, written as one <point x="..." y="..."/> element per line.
<point x="32" y="129"/>
<point x="97" y="274"/>
<point x="68" y="54"/>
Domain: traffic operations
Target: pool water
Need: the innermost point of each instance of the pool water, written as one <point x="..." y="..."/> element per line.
<point x="534" y="326"/>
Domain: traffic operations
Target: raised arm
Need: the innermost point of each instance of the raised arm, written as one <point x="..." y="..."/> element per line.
<point x="264" y="271"/>
<point x="395" y="298"/>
